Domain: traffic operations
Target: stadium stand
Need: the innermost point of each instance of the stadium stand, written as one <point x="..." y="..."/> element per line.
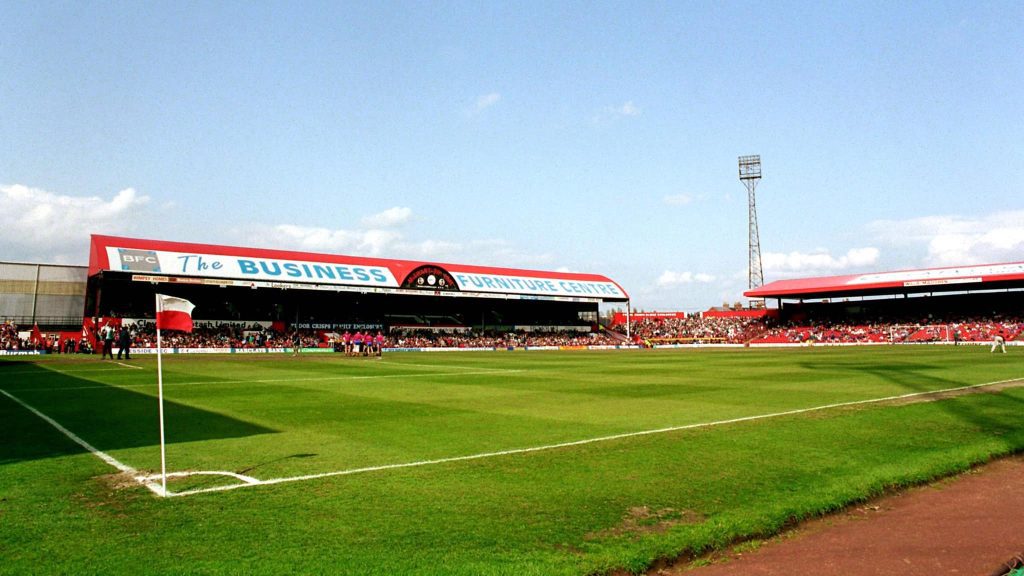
<point x="962" y="329"/>
<point x="768" y="330"/>
<point x="251" y="298"/>
<point x="696" y="329"/>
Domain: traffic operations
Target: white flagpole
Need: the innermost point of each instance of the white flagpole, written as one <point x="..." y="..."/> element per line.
<point x="160" y="394"/>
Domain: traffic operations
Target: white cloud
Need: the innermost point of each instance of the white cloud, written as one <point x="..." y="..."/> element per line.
<point x="486" y="101"/>
<point x="390" y="217"/>
<point x="496" y="252"/>
<point x="379" y="235"/>
<point x="686" y="291"/>
<point x="371" y="242"/>
<point x="677" y="199"/>
<point x="818" y="261"/>
<point x="41" y="225"/>
<point x="958" y="240"/>
<point x="375" y="236"/>
<point x="670" y="278"/>
<point x="627" y="109"/>
<point x="489" y="252"/>
<point x="432" y="250"/>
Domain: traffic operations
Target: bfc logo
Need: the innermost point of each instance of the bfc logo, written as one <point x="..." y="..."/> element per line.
<point x="139" y="260"/>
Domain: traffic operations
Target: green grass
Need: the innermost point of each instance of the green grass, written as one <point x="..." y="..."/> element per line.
<point x="593" y="508"/>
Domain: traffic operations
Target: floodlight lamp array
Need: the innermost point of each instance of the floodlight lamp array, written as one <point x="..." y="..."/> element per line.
<point x="750" y="167"/>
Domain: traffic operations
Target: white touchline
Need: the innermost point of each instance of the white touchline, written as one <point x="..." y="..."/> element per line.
<point x="155" y="487"/>
<point x="576" y="442"/>
<point x="128" y="365"/>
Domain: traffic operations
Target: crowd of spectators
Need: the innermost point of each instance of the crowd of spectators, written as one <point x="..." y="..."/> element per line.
<point x="566" y="339"/>
<point x="143" y="335"/>
<point x="256" y="336"/>
<point x="518" y="339"/>
<point x="984" y="329"/>
<point x="223" y="336"/>
<point x="690" y="330"/>
<point x="908" y="330"/>
<point x="695" y="329"/>
<point x="10" y="339"/>
<point x="795" y="333"/>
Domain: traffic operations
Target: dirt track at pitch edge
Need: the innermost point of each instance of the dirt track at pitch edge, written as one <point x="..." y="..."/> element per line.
<point x="966" y="525"/>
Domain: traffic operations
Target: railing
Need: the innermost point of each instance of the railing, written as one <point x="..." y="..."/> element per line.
<point x="45" y="322"/>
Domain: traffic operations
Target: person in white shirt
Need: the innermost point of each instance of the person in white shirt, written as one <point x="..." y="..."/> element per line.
<point x="999" y="342"/>
<point x="107" y="336"/>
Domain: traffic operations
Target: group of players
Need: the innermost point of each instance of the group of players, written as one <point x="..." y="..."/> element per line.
<point x="361" y="344"/>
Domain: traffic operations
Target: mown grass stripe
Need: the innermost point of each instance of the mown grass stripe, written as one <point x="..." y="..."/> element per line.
<point x="274" y="380"/>
<point x="584" y="442"/>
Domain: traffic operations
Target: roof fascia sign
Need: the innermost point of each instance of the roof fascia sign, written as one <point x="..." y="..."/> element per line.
<point x="341" y="273"/>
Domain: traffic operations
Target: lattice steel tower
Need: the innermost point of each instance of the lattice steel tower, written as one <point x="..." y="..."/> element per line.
<point x="750" y="175"/>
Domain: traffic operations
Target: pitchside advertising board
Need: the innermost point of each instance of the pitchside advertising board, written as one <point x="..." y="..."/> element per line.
<point x="341" y="274"/>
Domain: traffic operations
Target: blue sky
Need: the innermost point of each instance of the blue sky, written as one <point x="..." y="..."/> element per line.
<point x="591" y="137"/>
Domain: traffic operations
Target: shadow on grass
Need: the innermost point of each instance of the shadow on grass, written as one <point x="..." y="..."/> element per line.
<point x="913" y="377"/>
<point x="107" y="417"/>
<point x="254" y="467"/>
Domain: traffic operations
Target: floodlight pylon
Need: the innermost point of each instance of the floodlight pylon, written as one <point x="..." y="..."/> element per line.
<point x="750" y="175"/>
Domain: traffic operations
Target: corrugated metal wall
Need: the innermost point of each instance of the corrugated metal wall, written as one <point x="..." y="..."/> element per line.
<point x="44" y="291"/>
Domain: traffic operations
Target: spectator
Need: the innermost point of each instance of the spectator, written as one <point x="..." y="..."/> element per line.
<point x="124" y="343"/>
<point x="107" y="333"/>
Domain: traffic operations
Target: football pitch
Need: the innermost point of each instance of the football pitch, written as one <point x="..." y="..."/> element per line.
<point x="575" y="462"/>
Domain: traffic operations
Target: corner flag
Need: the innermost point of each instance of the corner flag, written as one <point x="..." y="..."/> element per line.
<point x="173" y="313"/>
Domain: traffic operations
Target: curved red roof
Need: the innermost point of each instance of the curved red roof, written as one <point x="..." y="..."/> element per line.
<point x="115" y="253"/>
<point x="974" y="277"/>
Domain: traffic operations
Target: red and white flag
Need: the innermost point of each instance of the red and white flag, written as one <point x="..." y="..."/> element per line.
<point x="173" y="313"/>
